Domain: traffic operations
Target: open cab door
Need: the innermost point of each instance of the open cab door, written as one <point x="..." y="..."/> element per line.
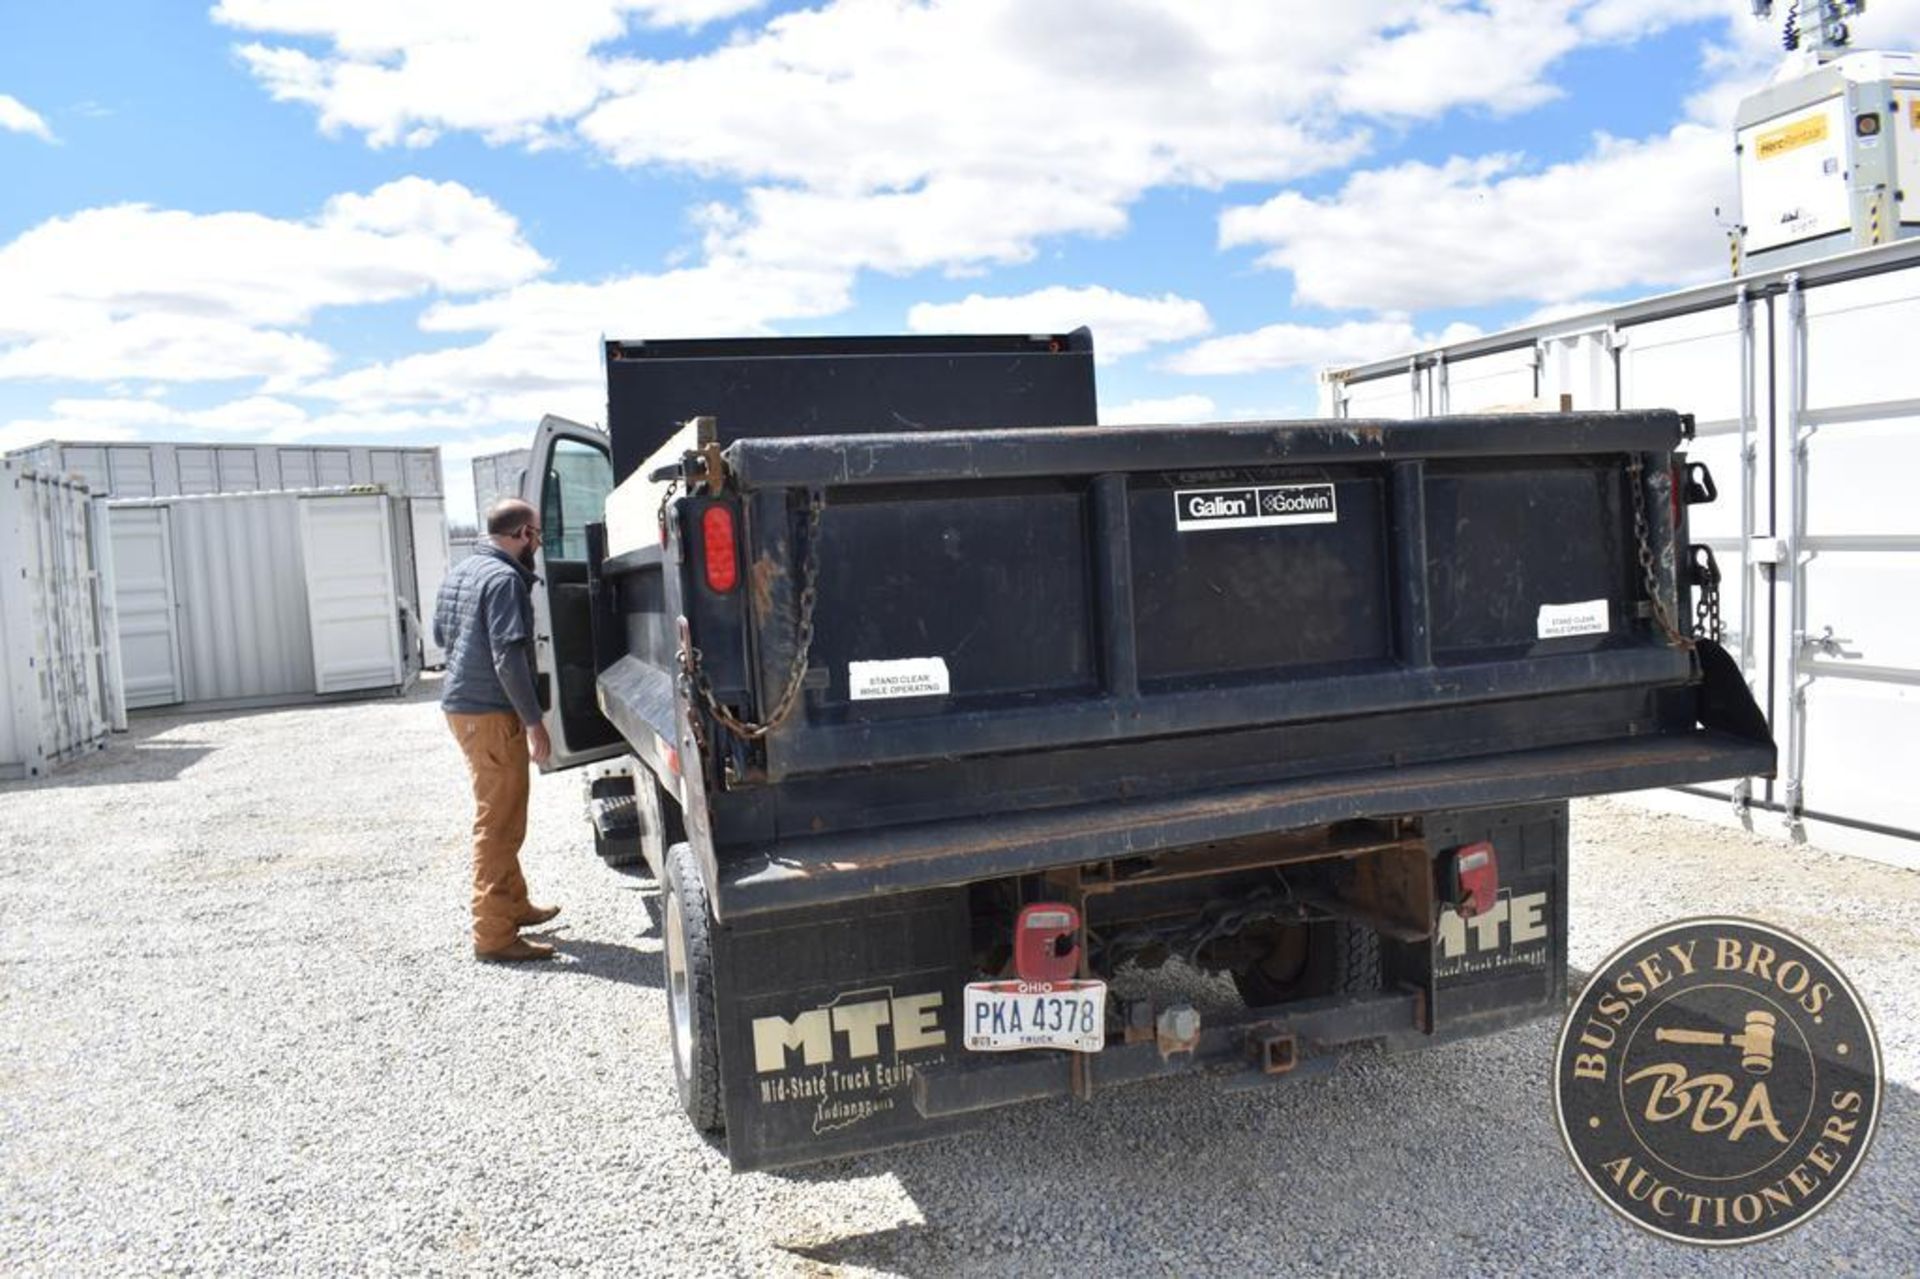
<point x="567" y="480"/>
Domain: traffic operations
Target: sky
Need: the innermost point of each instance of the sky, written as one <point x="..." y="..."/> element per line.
<point x="412" y="221"/>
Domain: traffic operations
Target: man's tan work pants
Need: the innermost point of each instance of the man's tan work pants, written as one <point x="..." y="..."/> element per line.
<point x="496" y="749"/>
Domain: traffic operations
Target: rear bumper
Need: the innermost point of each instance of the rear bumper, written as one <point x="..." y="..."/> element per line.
<point x="1306" y="1037"/>
<point x="803" y="871"/>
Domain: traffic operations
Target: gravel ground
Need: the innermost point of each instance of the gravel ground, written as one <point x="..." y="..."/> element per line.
<point x="240" y="1031"/>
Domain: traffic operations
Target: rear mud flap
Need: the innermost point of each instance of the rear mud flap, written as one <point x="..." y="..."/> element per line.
<point x="825" y="1017"/>
<point x="1508" y="964"/>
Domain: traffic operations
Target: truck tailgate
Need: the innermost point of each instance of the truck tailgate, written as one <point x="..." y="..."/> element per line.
<point x="1143" y="637"/>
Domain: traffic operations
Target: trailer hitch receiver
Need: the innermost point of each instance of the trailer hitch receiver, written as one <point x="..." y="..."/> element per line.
<point x="1276" y="1051"/>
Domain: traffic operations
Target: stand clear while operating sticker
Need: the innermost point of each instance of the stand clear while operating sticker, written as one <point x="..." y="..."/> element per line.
<point x="904" y="677"/>
<point x="1589" y="617"/>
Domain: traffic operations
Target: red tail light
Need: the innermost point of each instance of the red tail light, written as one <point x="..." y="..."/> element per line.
<point x="1476" y="878"/>
<point x="1046" y="942"/>
<point x="722" y="549"/>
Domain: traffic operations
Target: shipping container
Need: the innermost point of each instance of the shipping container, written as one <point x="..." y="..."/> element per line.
<point x="151" y="469"/>
<point x="59" y="679"/>
<point x="266" y="598"/>
<point x="1806" y="403"/>
<point x="432" y="553"/>
<point x="495" y="476"/>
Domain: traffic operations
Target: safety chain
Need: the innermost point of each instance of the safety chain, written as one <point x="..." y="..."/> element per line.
<point x="1706" y="612"/>
<point x="803" y="643"/>
<point x="666" y="500"/>
<point x="1643" y="534"/>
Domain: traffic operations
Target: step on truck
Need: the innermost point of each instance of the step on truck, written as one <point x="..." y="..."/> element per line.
<point x="958" y="730"/>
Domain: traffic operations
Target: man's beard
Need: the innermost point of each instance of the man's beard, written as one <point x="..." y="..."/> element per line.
<point x="525" y="556"/>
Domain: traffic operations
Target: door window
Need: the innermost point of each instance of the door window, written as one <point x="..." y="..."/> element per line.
<point x="574" y="495"/>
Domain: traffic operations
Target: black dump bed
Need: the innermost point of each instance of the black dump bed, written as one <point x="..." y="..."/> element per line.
<point x="808" y="386"/>
<point x="1053" y="645"/>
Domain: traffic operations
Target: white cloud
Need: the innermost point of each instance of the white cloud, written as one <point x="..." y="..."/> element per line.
<point x="872" y="136"/>
<point x="1295" y="346"/>
<point x="906" y="134"/>
<point x="131" y="291"/>
<point x="253" y="418"/>
<point x="1489" y="229"/>
<point x="1473" y="230"/>
<point x="27" y="432"/>
<point x="1508" y="44"/>
<point x="961" y="223"/>
<point x="1172" y="408"/>
<point x="403" y="72"/>
<point x="1627" y="19"/>
<point x="541" y="353"/>
<point x="1497" y="54"/>
<point x="160" y="345"/>
<point x="17" y="117"/>
<point x="1122" y="323"/>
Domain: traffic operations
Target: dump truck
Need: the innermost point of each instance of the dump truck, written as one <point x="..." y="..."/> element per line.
<point x="984" y="754"/>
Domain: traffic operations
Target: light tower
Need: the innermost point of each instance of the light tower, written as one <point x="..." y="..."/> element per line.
<point x="1829" y="152"/>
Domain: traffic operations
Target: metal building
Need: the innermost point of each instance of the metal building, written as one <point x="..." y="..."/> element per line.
<point x="168" y="469"/>
<point x="1807" y="402"/>
<point x="495" y="476"/>
<point x="257" y="599"/>
<point x="59" y="677"/>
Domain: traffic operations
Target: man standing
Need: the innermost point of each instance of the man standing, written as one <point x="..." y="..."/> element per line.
<point x="483" y="619"/>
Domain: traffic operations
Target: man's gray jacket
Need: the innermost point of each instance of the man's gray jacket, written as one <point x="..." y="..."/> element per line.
<point x="483" y="619"/>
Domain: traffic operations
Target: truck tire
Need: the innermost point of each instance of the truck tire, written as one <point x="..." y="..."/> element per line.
<point x="616" y="846"/>
<point x="692" y="1028"/>
<point x="1335" y="957"/>
<point x="661" y="825"/>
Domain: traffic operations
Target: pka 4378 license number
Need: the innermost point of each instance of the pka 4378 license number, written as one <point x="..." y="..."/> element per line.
<point x="1004" y="1016"/>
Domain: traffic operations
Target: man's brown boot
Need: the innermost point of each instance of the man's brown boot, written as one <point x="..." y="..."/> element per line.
<point x="516" y="951"/>
<point x="537" y="915"/>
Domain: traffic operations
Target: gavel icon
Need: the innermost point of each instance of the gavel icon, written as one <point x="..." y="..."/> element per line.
<point x="1755" y="1042"/>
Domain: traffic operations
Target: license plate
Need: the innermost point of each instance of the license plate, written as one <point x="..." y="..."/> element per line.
<point x="1004" y="1016"/>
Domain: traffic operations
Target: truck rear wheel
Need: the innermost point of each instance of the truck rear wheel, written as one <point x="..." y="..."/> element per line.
<point x="691" y="1025"/>
<point x="661" y="826"/>
<point x="1334" y="957"/>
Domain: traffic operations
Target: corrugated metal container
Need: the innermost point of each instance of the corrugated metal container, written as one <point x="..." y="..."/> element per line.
<point x="59" y="682"/>
<point x="257" y="599"/>
<point x="168" y="470"/>
<point x="495" y="476"/>
<point x="1807" y="408"/>
<point x="432" y="554"/>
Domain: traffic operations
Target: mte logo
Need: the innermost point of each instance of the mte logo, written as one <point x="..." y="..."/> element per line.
<point x="849" y="1027"/>
<point x="1512" y="921"/>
